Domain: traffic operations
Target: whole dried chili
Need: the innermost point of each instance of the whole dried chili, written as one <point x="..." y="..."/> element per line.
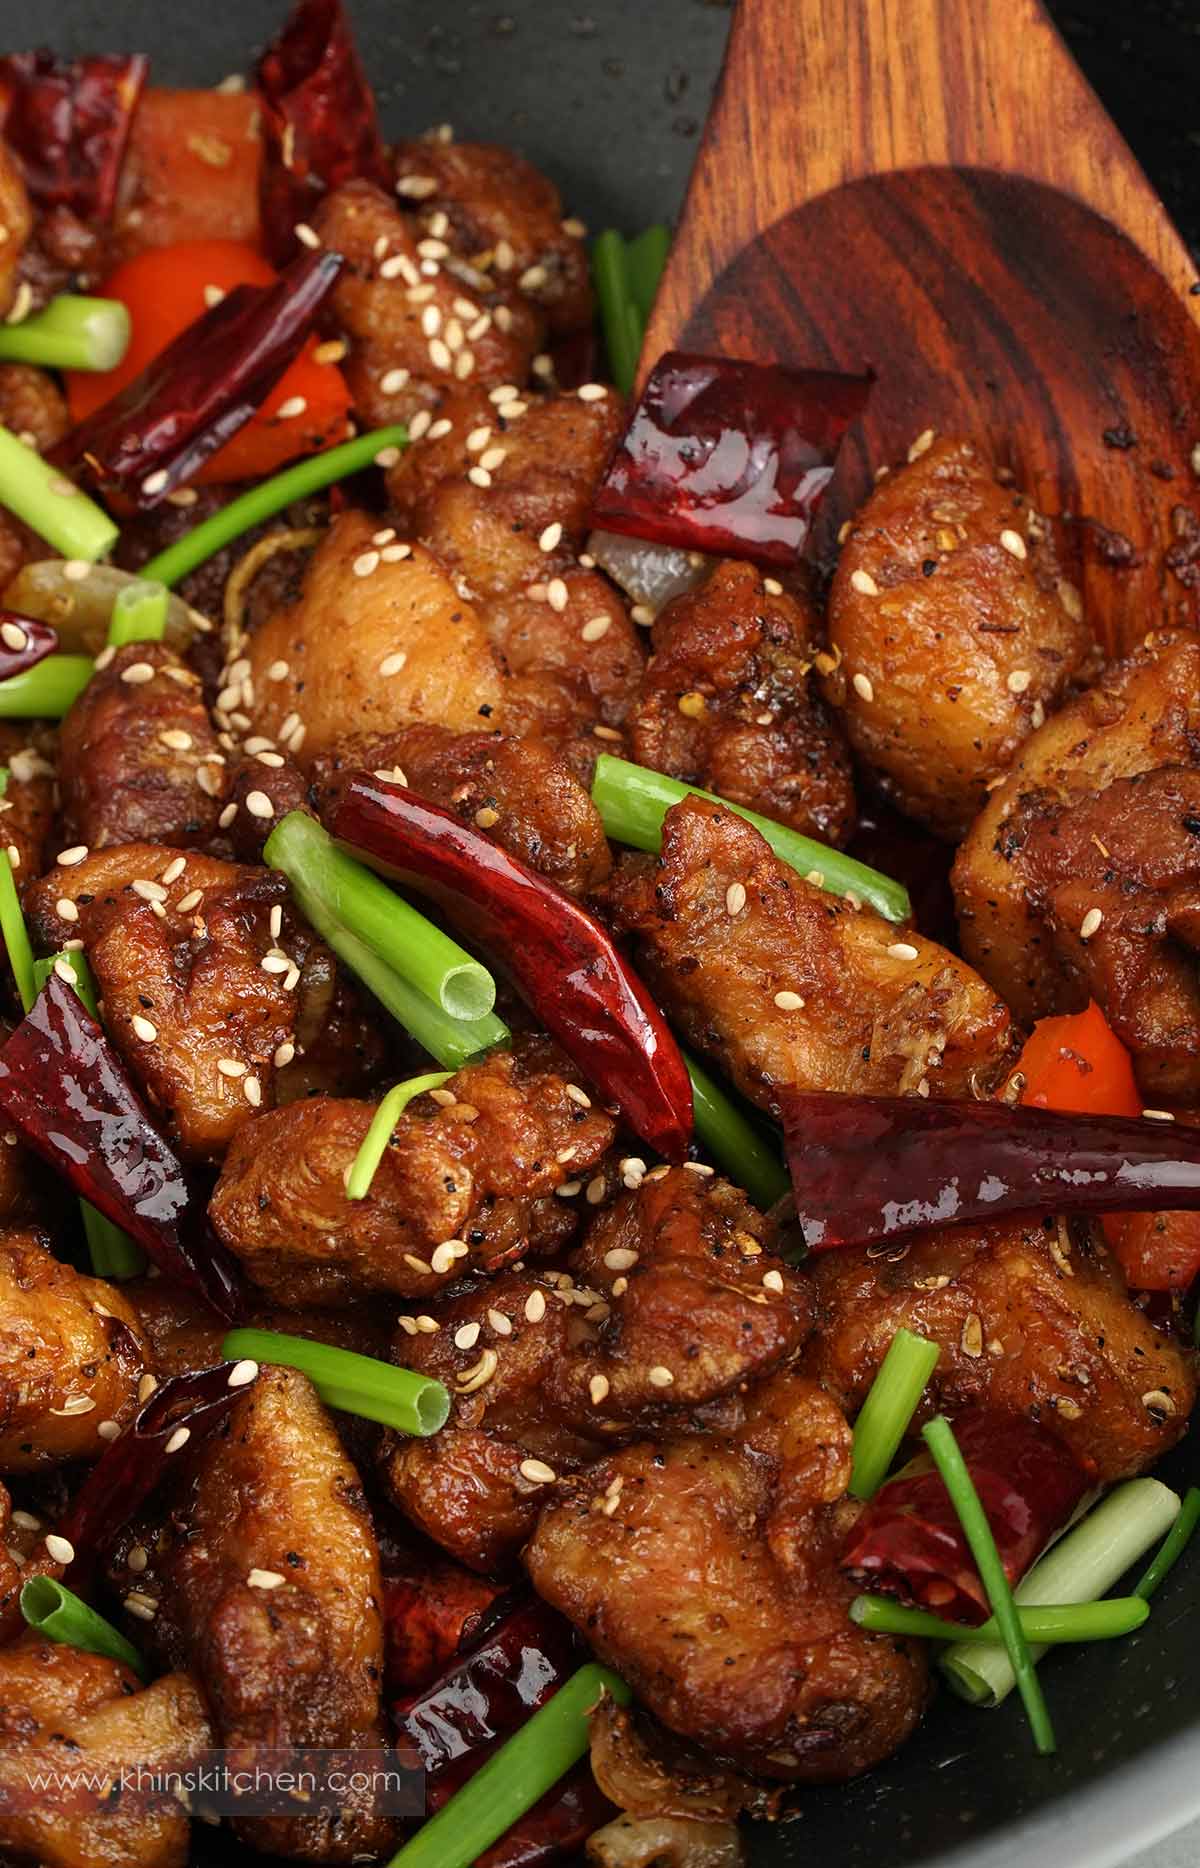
<point x="561" y="959"/>
<point x="16" y="656"/>
<point x="67" y="122"/>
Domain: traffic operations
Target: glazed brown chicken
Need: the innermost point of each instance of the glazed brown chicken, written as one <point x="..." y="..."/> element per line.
<point x="788" y="987"/>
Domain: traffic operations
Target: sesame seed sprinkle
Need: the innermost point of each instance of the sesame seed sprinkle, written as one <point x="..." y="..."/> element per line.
<point x="1018" y="680"/>
<point x="535" y="1307"/>
<point x="735" y="898"/>
<point x="903" y="950"/>
<point x="137" y="673"/>
<point x="1014" y="543"/>
<point x="660" y="1376"/>
<point x="59" y="1549"/>
<point x="392" y="664"/>
<point x="259" y="805"/>
<point x="598" y="1389"/>
<point x="789" y="1001"/>
<point x="265" y="1579"/>
<point x="66" y="909"/>
<point x="143" y="1028"/>
<point x="551" y="537"/>
<point x="864" y="583"/>
<point x="13" y="636"/>
<point x="537" y="1472"/>
<point x="1091" y="921"/>
<point x="68" y="859"/>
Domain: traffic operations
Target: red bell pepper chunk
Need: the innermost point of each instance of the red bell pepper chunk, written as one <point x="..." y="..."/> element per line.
<point x="868" y="1168"/>
<point x="68" y="124"/>
<point x="319" y="122"/>
<point x="728" y="457"/>
<point x="205" y="386"/>
<point x="909" y="1542"/>
<point x="561" y="959"/>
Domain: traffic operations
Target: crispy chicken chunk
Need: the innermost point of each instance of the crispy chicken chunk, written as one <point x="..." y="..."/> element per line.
<point x="1144" y="714"/>
<point x="71" y="1356"/>
<point x="64" y="1711"/>
<point x="468" y="1179"/>
<point x="268" y="1582"/>
<point x="379" y="637"/>
<point x="205" y="999"/>
<point x="32" y="404"/>
<point x="674" y="1301"/>
<point x="138" y="757"/>
<point x="569" y="648"/>
<point x="414" y="335"/>
<point x="728" y="701"/>
<point x="28" y="805"/>
<point x="520" y="792"/>
<point x="705" y="1570"/>
<point x="183" y="1333"/>
<point x="505" y="216"/>
<point x="955" y="631"/>
<point x="1028" y="1320"/>
<point x="724" y="930"/>
<point x="16" y="219"/>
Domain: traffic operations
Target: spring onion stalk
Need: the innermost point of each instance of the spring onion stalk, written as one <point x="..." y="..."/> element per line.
<point x="887" y="1412"/>
<point x="50" y="505"/>
<point x="626" y="275"/>
<point x="113" y="1253"/>
<point x="62" y="1616"/>
<point x="47" y="691"/>
<point x="514" y="1778"/>
<point x="938" y="1436"/>
<point x="139" y="614"/>
<point x="1075" y="1621"/>
<point x="413" y="1404"/>
<point x="395" y="951"/>
<point x="15" y="933"/>
<point x="633" y="802"/>
<point x="377" y="1137"/>
<point x="646" y="259"/>
<point x="264" y="501"/>
<point x="1175" y="1543"/>
<point x="735" y="1140"/>
<point x="72" y="333"/>
<point x="1089" y="1559"/>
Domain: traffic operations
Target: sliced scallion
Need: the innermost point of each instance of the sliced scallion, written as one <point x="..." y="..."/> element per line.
<point x="886" y="1414"/>
<point x="50" y="504"/>
<point x="398" y="1398"/>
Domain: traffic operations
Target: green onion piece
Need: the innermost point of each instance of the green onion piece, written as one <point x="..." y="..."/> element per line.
<point x="645" y="260"/>
<point x="886" y="1413"/>
<point x="618" y="311"/>
<point x="1092" y="1556"/>
<point x="60" y="1615"/>
<point x="264" y="501"/>
<point x="50" y="505"/>
<point x="72" y="333"/>
<point x="414" y="1404"/>
<point x="15" y="933"/>
<point x="394" y="950"/>
<point x="377" y="1137"/>
<point x="139" y="614"/>
<point x="732" y="1138"/>
<point x="1075" y="1621"/>
<point x="49" y="689"/>
<point x="514" y="1778"/>
<point x="633" y="802"/>
<point x="938" y="1436"/>
<point x="113" y="1253"/>
<point x="1176" y="1542"/>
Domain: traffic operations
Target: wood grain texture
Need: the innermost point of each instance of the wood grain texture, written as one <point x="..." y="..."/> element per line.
<point x="928" y="188"/>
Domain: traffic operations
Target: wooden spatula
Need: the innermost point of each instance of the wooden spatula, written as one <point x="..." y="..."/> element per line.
<point x="929" y="188"/>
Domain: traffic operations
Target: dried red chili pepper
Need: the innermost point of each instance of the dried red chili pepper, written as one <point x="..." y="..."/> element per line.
<point x="65" y="1091"/>
<point x="867" y="1168"/>
<point x="198" y="392"/>
<point x="68" y="122"/>
<point x="909" y="1542"/>
<point x="319" y="122"/>
<point x="40" y="641"/>
<point x="129" y="1468"/>
<point x="722" y="456"/>
<point x="430" y="1609"/>
<point x="561" y="959"/>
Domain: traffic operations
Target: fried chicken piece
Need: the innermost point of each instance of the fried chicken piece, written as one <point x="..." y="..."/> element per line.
<point x="72" y="1726"/>
<point x="267" y="1580"/>
<point x="520" y="792"/>
<point x="724" y="930"/>
<point x="28" y="805"/>
<point x="728" y="701"/>
<point x="184" y="1333"/>
<point x="468" y="1179"/>
<point x="138" y="758"/>
<point x="414" y="335"/>
<point x="705" y="1570"/>
<point x="32" y="405"/>
<point x="568" y="642"/>
<point x="1144" y="714"/>
<point x="198" y="1017"/>
<point x="674" y="1302"/>
<point x="491" y="537"/>
<point x="502" y="211"/>
<point x="955" y="630"/>
<point x="16" y="219"/>
<point x="373" y="643"/>
<point x="71" y="1356"/>
<point x="1029" y="1321"/>
<point x="276" y="788"/>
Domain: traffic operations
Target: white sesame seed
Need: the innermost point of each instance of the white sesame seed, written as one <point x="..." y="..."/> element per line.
<point x="108" y="1430"/>
<point x="1091" y="921"/>
<point x="259" y="805"/>
<point x="148" y="891"/>
<point x="174" y="869"/>
<point x="592" y="392"/>
<point x="620" y="1258"/>
<point x="143" y="1028"/>
<point x="864" y="583"/>
<point x="921" y="445"/>
<point x="68" y="859"/>
<point x="500" y="1323"/>
<point x="416" y="187"/>
<point x="493" y="458"/>
<point x="789" y="1001"/>
<point x="1158" y="1115"/>
<point x="392" y="664"/>
<point x="143" y="1607"/>
<point x="13" y="636"/>
<point x="1014" y="543"/>
<point x="306" y="235"/>
<point x="443" y="1257"/>
<point x="478" y="439"/>
<point x="66" y="909"/>
<point x="419" y="423"/>
<point x="439" y="354"/>
<point x="551" y="537"/>
<point x="537" y="1472"/>
<point x="466" y="1336"/>
<point x="773" y="1281"/>
<point x="568" y="1189"/>
<point x="75" y="570"/>
<point x="295" y="405"/>
<point x="387" y="457"/>
<point x="265" y="1579"/>
<point x="231" y="1067"/>
<point x="241" y="1373"/>
<point x="595" y="628"/>
<point x="735" y="898"/>
<point x="252" y="1091"/>
<point x="194" y="897"/>
<point x="479" y="476"/>
<point x="903" y="950"/>
<point x="178" y="1440"/>
<point x="1018" y="680"/>
<point x="598" y="1389"/>
<point x="578" y="1096"/>
<point x="155" y="482"/>
<point x="58" y="1549"/>
<point x="660" y="1377"/>
<point x="439" y="428"/>
<point x="480" y="1373"/>
<point x="137" y="673"/>
<point x="557" y="595"/>
<point x="485" y="817"/>
<point x="365" y="563"/>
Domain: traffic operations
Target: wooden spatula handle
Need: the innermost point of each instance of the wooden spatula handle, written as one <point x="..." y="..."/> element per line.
<point x="815" y="93"/>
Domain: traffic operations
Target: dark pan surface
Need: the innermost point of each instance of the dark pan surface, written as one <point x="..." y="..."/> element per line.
<point x="609" y="96"/>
